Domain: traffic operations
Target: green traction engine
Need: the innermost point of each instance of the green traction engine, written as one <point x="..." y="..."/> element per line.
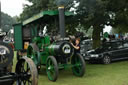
<point x="55" y="56"/>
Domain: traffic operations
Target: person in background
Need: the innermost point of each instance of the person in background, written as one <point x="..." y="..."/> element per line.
<point x="104" y="40"/>
<point x="76" y="45"/>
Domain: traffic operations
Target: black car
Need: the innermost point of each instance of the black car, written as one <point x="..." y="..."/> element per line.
<point x="108" y="51"/>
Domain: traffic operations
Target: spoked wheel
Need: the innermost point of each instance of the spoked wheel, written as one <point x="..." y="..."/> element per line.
<point x="27" y="72"/>
<point x="34" y="54"/>
<point x="52" y="68"/>
<point x="78" y="63"/>
<point x="106" y="59"/>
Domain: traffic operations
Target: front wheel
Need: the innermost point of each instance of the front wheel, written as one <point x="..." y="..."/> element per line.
<point x="78" y="63"/>
<point x="52" y="68"/>
<point x="106" y="59"/>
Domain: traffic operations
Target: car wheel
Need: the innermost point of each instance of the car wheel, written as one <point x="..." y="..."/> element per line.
<point x="106" y="59"/>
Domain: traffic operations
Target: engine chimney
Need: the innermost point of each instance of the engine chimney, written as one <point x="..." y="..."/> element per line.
<point x="62" y="21"/>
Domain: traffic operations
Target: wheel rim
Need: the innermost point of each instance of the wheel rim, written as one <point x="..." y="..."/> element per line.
<point x="50" y="69"/>
<point x="27" y="71"/>
<point x="106" y="60"/>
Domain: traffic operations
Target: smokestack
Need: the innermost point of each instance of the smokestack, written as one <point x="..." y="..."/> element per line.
<point x="62" y="21"/>
<point x="61" y="8"/>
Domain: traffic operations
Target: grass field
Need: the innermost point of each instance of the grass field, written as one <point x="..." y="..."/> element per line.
<point x="96" y="74"/>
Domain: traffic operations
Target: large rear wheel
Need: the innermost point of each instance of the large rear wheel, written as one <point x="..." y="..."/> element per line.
<point x="34" y="54"/>
<point x="78" y="63"/>
<point x="27" y="72"/>
<point x="52" y="68"/>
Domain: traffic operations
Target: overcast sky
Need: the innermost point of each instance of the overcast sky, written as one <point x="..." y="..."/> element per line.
<point x="12" y="7"/>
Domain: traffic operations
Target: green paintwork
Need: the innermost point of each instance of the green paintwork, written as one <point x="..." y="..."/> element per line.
<point x="18" y="36"/>
<point x="42" y="42"/>
<point x="44" y="56"/>
<point x="34" y="55"/>
<point x="47" y="48"/>
<point x="77" y="66"/>
<point x="50" y="49"/>
<point x="42" y="14"/>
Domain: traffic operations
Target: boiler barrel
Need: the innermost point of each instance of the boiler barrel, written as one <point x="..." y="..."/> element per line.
<point x="60" y="49"/>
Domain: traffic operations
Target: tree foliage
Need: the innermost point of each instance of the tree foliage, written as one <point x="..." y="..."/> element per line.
<point x="6" y="22"/>
<point x="93" y="13"/>
<point x="36" y="7"/>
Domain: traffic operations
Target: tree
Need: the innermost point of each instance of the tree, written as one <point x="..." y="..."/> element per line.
<point x="36" y="7"/>
<point x="118" y="9"/>
<point x="6" y="22"/>
<point x="93" y="13"/>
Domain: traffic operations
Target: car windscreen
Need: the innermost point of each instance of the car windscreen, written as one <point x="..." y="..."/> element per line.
<point x="105" y="45"/>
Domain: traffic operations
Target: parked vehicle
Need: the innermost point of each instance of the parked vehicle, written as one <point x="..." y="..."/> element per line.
<point x="25" y="71"/>
<point x="108" y="52"/>
<point x="85" y="46"/>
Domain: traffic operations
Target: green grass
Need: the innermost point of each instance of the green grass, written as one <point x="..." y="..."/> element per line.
<point x="96" y="74"/>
